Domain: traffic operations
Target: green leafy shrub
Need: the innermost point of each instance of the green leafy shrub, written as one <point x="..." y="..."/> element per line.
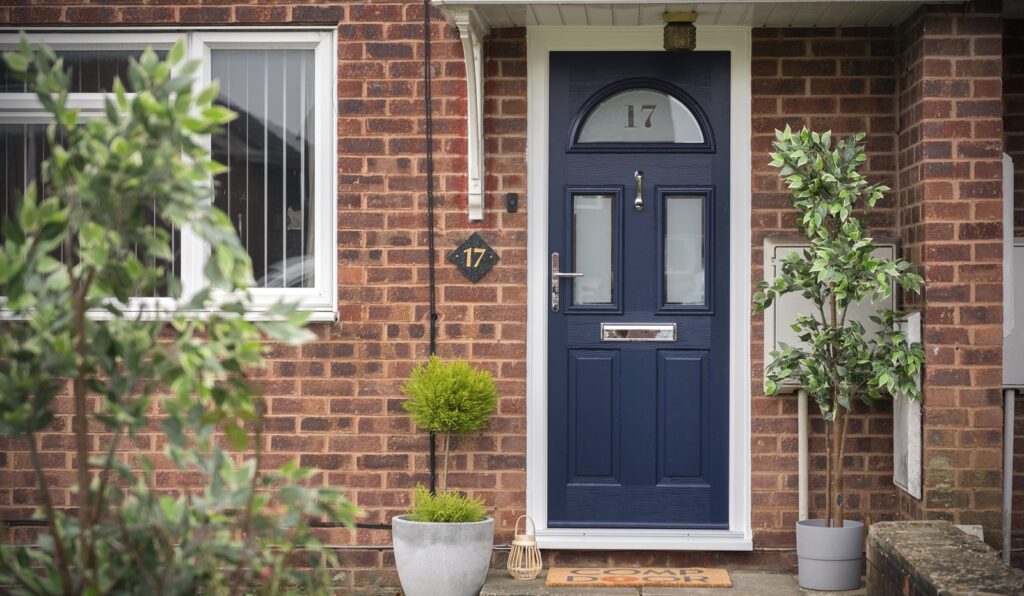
<point x="839" y="364"/>
<point x="107" y="178"/>
<point x="447" y="398"/>
<point x="445" y="507"/>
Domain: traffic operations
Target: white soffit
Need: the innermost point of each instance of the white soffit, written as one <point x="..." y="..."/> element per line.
<point x="756" y="13"/>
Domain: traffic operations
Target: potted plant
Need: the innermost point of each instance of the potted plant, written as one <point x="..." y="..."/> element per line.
<point x="443" y="545"/>
<point x="838" y="363"/>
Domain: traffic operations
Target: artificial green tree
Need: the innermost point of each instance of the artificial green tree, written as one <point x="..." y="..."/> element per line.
<point x="77" y="251"/>
<point x="838" y="363"/>
<point x="448" y="398"/>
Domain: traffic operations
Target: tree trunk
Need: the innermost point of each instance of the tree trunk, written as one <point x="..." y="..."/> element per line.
<point x="828" y="471"/>
<point x="444" y="476"/>
<point x="835" y="480"/>
<point x="81" y="427"/>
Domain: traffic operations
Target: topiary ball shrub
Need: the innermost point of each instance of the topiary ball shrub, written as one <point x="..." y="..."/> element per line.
<point x="450" y="397"/>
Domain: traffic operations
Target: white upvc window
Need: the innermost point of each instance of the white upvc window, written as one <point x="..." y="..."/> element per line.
<point x="281" y="151"/>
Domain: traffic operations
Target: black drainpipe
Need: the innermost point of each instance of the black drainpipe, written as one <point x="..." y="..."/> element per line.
<point x="431" y="250"/>
<point x="429" y="130"/>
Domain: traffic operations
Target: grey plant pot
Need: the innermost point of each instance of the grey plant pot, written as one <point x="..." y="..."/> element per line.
<point x="830" y="558"/>
<point x="438" y="559"/>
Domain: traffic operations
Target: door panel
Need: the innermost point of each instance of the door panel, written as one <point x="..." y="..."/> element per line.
<point x="681" y="381"/>
<point x="639" y="188"/>
<point x="594" y="400"/>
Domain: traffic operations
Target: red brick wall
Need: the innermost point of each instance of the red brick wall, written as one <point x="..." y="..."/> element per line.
<point x="911" y="223"/>
<point x="950" y="206"/>
<point x="383" y="258"/>
<point x="843" y="81"/>
<point x="189" y="12"/>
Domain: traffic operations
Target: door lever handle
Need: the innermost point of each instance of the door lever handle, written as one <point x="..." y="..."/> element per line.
<point x="557" y="275"/>
<point x="638" y="204"/>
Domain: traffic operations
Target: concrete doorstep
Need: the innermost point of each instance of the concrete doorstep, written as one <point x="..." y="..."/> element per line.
<point x="744" y="583"/>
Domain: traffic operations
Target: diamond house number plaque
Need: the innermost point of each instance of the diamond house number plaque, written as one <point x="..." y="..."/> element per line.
<point x="474" y="258"/>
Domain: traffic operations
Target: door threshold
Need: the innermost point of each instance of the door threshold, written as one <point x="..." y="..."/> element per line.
<point x="643" y="539"/>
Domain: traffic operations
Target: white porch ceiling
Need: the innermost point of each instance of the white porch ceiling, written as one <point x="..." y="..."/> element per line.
<point x="756" y="13"/>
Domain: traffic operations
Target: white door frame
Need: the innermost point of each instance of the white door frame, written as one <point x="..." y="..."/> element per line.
<point x="541" y="41"/>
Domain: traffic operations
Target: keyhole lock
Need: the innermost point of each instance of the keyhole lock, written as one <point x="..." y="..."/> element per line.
<point x="638" y="204"/>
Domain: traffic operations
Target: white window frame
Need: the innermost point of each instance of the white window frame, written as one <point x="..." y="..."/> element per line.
<point x="320" y="301"/>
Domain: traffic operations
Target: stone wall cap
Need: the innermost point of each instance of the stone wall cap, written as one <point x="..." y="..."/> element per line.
<point x="943" y="558"/>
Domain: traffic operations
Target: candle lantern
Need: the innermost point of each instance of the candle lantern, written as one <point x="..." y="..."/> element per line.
<point x="680" y="33"/>
<point x="524" y="561"/>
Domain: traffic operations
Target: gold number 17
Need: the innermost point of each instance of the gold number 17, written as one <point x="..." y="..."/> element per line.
<point x="474" y="251"/>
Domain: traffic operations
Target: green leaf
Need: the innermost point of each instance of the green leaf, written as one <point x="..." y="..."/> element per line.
<point x="17" y="62"/>
<point x="177" y="52"/>
<point x="237" y="436"/>
<point x="218" y="114"/>
<point x="208" y="94"/>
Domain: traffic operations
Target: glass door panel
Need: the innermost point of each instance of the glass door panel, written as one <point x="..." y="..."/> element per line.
<point x="684" y="250"/>
<point x="593" y="245"/>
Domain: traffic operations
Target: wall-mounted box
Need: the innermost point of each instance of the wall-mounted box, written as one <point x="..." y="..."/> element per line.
<point x="782" y="314"/>
<point x="1013" y="343"/>
<point x="906" y="424"/>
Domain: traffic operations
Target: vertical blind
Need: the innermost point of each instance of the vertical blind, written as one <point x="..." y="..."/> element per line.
<point x="24" y="147"/>
<point x="269" y="153"/>
<point x="92" y="71"/>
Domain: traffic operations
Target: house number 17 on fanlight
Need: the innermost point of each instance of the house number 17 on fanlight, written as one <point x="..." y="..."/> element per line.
<point x="646" y="109"/>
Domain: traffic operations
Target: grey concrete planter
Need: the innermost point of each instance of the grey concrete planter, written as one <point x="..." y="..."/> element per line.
<point x="830" y="558"/>
<point x="437" y="559"/>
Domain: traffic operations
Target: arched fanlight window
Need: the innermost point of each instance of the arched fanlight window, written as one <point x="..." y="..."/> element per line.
<point x="641" y="115"/>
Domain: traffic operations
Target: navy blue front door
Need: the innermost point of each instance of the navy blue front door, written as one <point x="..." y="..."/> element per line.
<point x="638" y="321"/>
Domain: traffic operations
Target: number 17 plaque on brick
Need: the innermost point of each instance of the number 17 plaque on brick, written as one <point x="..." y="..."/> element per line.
<point x="474" y="257"/>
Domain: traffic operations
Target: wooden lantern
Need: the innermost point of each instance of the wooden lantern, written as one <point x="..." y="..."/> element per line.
<point x="524" y="560"/>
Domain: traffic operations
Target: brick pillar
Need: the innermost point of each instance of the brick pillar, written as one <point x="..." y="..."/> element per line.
<point x="950" y="209"/>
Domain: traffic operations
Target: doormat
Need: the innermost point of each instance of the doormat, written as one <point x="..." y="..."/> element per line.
<point x="617" y="577"/>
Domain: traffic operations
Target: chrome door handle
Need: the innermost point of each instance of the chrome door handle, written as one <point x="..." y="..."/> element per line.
<point x="556" y="275"/>
<point x="638" y="204"/>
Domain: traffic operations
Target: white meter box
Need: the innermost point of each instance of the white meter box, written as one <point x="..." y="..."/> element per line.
<point x="779" y="318"/>
<point x="1013" y="317"/>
